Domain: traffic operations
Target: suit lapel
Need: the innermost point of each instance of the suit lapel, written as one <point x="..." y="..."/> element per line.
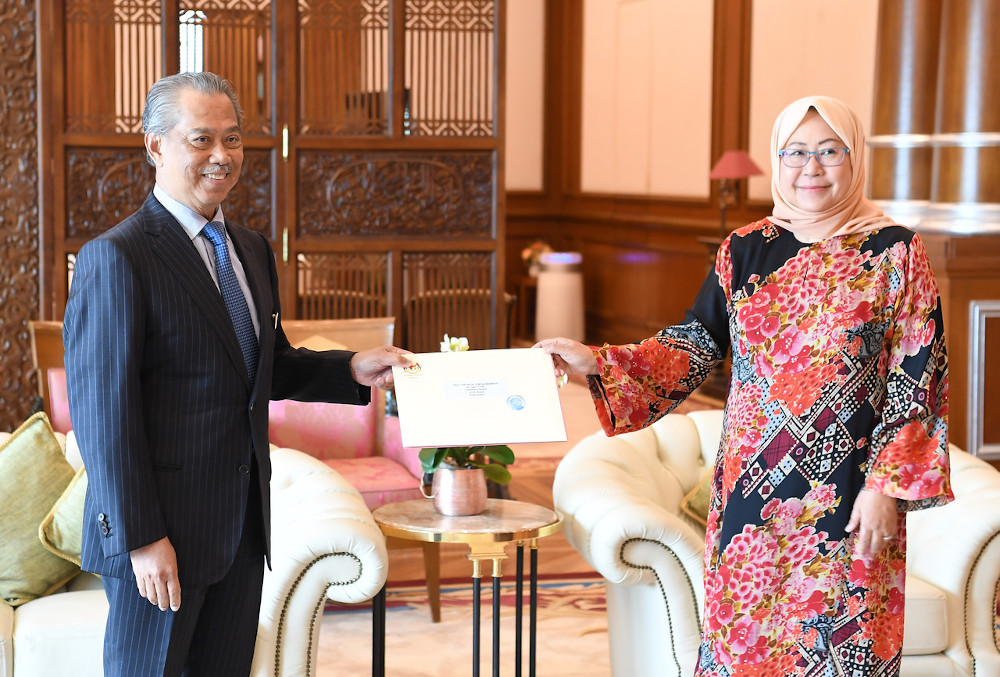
<point x="169" y="241"/>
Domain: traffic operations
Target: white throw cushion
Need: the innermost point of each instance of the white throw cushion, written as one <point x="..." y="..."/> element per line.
<point x="926" y="630"/>
<point x="61" y="634"/>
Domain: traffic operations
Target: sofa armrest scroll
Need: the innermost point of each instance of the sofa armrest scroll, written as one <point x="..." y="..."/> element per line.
<point x="968" y="570"/>
<point x="604" y="517"/>
<point x="324" y="544"/>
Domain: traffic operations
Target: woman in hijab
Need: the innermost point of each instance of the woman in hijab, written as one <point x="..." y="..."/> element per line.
<point x="836" y="420"/>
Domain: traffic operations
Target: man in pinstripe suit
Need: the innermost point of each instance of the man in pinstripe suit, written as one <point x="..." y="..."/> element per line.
<point x="170" y="408"/>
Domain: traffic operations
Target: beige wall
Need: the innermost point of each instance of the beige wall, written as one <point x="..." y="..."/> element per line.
<point x="647" y="95"/>
<point x="779" y="74"/>
<point x="647" y="86"/>
<point x="525" y="94"/>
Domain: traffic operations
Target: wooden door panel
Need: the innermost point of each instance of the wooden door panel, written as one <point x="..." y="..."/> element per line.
<point x="371" y="147"/>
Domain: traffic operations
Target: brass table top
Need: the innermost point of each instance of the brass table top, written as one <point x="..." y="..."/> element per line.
<point x="486" y="534"/>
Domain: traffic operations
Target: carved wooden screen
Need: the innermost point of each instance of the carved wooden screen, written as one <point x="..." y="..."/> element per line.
<point x="105" y="56"/>
<point x="235" y="42"/>
<point x="371" y="140"/>
<point x="450" y="55"/>
<point x="396" y="157"/>
<point x="344" y="69"/>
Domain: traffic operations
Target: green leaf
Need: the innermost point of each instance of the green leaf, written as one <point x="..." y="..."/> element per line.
<point x="431" y="458"/>
<point x="496" y="473"/>
<point x="500" y="453"/>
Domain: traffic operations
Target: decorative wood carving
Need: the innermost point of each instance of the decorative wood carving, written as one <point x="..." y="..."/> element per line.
<point x="383" y="194"/>
<point x="19" y="265"/>
<point x="249" y="203"/>
<point x="104" y="186"/>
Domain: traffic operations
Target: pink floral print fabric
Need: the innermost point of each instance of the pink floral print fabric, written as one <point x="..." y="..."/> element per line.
<point x="839" y="383"/>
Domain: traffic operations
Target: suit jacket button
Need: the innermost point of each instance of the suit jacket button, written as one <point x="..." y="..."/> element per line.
<point x="104" y="529"/>
<point x="244" y="469"/>
<point x="101" y="517"/>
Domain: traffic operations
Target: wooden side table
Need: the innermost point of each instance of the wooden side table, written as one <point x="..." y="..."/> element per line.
<point x="487" y="535"/>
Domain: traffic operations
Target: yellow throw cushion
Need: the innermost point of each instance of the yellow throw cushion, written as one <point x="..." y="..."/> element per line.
<point x="33" y="474"/>
<point x="61" y="532"/>
<point x="696" y="503"/>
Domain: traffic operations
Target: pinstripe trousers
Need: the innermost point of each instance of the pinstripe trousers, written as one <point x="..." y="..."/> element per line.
<point x="211" y="635"/>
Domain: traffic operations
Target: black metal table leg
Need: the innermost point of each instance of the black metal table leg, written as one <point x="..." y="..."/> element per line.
<point x="487" y="538"/>
<point x="533" y="613"/>
<point x="476" y="593"/>
<point x="378" y="634"/>
<point x="496" y="625"/>
<point x="518" y="611"/>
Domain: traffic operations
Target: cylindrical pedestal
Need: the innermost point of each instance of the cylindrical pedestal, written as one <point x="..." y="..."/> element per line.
<point x="559" y="305"/>
<point x="967" y="142"/>
<point x="904" y="113"/>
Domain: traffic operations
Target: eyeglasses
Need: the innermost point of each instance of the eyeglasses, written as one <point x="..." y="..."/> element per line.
<point x="828" y="157"/>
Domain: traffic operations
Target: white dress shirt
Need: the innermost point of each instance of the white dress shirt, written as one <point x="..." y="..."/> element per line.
<point x="192" y="222"/>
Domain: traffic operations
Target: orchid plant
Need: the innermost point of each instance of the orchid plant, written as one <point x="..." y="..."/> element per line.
<point x="475" y="456"/>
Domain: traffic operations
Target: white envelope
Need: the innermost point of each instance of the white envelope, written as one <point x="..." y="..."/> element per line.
<point x="479" y="397"/>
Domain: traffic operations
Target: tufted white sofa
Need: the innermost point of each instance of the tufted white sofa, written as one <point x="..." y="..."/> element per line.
<point x="621" y="500"/>
<point x="325" y="545"/>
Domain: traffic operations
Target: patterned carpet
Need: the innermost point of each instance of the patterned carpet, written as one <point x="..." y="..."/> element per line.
<point x="572" y="632"/>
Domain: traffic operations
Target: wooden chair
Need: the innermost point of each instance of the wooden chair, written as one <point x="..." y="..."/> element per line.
<point x="457" y="312"/>
<point x="47" y="359"/>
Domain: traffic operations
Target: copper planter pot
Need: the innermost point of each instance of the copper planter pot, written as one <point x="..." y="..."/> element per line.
<point x="459" y="491"/>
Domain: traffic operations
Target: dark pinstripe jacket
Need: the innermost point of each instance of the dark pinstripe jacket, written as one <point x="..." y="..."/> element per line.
<point x="159" y="396"/>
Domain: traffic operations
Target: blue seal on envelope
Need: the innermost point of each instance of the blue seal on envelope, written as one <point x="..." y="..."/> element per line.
<point x="515" y="402"/>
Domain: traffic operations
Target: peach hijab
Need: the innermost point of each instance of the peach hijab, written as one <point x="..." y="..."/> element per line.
<point x="855" y="213"/>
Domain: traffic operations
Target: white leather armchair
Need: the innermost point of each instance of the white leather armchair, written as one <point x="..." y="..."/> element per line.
<point x="325" y="544"/>
<point x="621" y="500"/>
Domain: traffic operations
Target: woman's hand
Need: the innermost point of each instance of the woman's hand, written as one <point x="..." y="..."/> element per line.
<point x="876" y="521"/>
<point x="569" y="357"/>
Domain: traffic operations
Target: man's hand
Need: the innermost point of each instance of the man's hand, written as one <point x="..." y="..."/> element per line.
<point x="876" y="520"/>
<point x="155" y="567"/>
<point x="373" y="367"/>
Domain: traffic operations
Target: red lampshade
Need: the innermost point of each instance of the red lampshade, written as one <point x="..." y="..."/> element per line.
<point x="734" y="164"/>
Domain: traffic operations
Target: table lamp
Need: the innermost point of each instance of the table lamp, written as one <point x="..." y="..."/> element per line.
<point x="731" y="167"/>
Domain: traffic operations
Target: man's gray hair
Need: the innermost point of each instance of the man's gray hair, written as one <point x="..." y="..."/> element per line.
<point x="160" y="112"/>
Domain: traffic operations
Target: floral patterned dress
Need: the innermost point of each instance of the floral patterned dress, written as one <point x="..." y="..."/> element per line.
<point x="839" y="383"/>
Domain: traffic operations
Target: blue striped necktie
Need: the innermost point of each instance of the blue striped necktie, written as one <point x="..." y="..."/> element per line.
<point x="232" y="294"/>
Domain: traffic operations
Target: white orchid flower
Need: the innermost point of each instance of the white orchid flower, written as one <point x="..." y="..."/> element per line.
<point x="454" y="344"/>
